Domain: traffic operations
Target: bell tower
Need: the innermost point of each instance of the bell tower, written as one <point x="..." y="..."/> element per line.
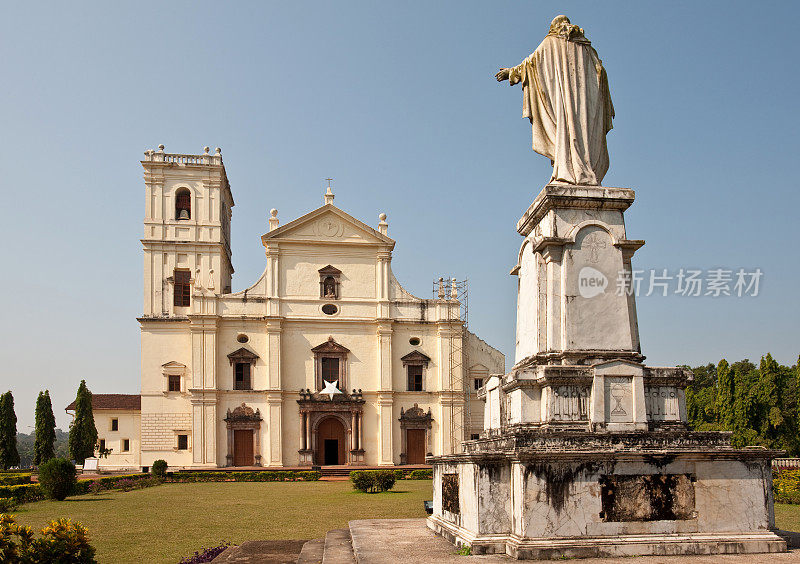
<point x="187" y="230"/>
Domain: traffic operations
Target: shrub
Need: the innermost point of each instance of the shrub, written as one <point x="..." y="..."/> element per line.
<point x="14" y="479"/>
<point x="265" y="476"/>
<point x="421" y="475"/>
<point x="7" y="505"/>
<point x="399" y="475"/>
<point x="159" y="468"/>
<point x="23" y="493"/>
<point x="205" y="554"/>
<point x="57" y="478"/>
<point x="372" y="481"/>
<point x="61" y="541"/>
<point x="786" y="486"/>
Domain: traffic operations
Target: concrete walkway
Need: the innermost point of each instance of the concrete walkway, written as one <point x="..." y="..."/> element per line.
<point x="387" y="541"/>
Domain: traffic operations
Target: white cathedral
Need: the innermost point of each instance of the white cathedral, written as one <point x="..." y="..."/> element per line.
<point x="324" y="360"/>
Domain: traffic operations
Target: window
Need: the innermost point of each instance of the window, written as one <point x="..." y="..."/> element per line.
<point x="102" y="445"/>
<point x="242" y="338"/>
<point x="126" y="445"/>
<point x="174" y="383"/>
<point x="414" y="341"/>
<point x="478" y="383"/>
<point x="115" y="424"/>
<point x="330" y="369"/>
<point x="475" y="436"/>
<point x="414" y="377"/>
<point x="242" y="376"/>
<point x="183" y="204"/>
<point x="329" y="309"/>
<point x="181" y="278"/>
<point x="183" y="442"/>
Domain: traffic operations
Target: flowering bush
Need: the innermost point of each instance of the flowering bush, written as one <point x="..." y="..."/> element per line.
<point x="15" y="479"/>
<point x="266" y="476"/>
<point x="61" y="541"/>
<point x="205" y="554"/>
<point x="8" y="504"/>
<point x="786" y="485"/>
<point x="420" y="474"/>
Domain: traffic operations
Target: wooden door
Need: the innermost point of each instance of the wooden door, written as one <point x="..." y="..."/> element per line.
<point x="243" y="447"/>
<point x="415" y="441"/>
<point x="331" y="429"/>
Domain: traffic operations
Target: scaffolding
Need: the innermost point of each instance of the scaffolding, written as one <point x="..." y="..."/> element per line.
<point x="453" y="290"/>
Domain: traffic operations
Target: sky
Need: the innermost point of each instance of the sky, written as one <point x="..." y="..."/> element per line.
<point x="398" y="104"/>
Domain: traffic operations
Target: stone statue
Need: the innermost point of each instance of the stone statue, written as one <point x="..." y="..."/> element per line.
<point x="566" y="98"/>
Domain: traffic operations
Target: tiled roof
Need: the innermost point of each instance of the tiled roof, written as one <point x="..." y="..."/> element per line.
<point x="114" y="401"/>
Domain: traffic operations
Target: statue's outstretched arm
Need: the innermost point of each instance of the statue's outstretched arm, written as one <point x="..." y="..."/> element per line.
<point x="503" y="75"/>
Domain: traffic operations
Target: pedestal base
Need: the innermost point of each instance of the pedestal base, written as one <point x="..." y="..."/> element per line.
<point x="575" y="500"/>
<point x="605" y="547"/>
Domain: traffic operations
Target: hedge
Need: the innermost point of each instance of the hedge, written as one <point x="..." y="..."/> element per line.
<point x="265" y="476"/>
<point x="372" y="481"/>
<point x="15" y="479"/>
<point x="785" y="485"/>
<point x="23" y="493"/>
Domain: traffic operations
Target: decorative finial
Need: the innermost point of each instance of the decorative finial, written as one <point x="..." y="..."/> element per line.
<point x="218" y="151"/>
<point x="383" y="227"/>
<point x="273" y="219"/>
<point x="161" y="148"/>
<point x="206" y="149"/>
<point x="440" y="293"/>
<point x="453" y="289"/>
<point x="328" y="193"/>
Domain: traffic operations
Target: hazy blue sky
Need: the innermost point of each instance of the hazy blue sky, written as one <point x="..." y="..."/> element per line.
<point x="397" y="102"/>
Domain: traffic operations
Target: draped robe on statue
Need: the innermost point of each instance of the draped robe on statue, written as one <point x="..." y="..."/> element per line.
<point x="567" y="99"/>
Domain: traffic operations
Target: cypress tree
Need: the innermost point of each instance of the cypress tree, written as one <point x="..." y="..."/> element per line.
<point x="44" y="446"/>
<point x="9" y="456"/>
<point x="726" y="395"/>
<point x="82" y="432"/>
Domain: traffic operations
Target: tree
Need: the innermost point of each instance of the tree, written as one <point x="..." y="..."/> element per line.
<point x="9" y="456"/>
<point x="44" y="446"/>
<point x="82" y="432"/>
<point x="726" y="395"/>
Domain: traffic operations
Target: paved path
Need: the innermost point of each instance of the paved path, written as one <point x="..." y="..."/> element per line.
<point x="387" y="541"/>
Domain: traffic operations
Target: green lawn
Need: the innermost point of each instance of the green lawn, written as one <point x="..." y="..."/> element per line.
<point x="165" y="523"/>
<point x="787" y="517"/>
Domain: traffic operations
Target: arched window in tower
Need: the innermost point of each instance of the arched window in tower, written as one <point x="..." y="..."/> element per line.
<point x="183" y="204"/>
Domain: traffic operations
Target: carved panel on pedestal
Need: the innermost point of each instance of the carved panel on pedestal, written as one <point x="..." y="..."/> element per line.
<point x="569" y="403"/>
<point x="619" y="399"/>
<point x="654" y="497"/>
<point x="661" y="402"/>
<point x="450" y="493"/>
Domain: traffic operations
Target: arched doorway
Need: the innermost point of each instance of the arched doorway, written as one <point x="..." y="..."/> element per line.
<point x="331" y="442"/>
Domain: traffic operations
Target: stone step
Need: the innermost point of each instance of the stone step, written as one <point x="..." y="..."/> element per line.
<point x="312" y="552"/>
<point x="338" y="548"/>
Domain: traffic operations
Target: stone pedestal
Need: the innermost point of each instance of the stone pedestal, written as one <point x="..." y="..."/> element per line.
<point x="585" y="450"/>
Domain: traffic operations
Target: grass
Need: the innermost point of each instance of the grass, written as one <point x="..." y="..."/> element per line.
<point x="787" y="517"/>
<point x="166" y="523"/>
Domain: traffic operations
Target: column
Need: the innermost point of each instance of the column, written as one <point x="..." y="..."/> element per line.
<point x="385" y="420"/>
<point x="304" y="419"/>
<point x="353" y="436"/>
<point x="360" y="433"/>
<point x="309" y="445"/>
<point x="275" y="428"/>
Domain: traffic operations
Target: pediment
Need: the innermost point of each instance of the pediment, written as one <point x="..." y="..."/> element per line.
<point x="415" y="357"/>
<point x="243" y="355"/>
<point x="619" y="366"/>
<point x="330" y="346"/>
<point x="329" y="270"/>
<point x="173" y="364"/>
<point x="328" y="224"/>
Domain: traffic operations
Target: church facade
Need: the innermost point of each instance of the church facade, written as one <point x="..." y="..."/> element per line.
<point x="324" y="360"/>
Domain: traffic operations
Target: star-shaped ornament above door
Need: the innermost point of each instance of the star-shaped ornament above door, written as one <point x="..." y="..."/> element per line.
<point x="330" y="389"/>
